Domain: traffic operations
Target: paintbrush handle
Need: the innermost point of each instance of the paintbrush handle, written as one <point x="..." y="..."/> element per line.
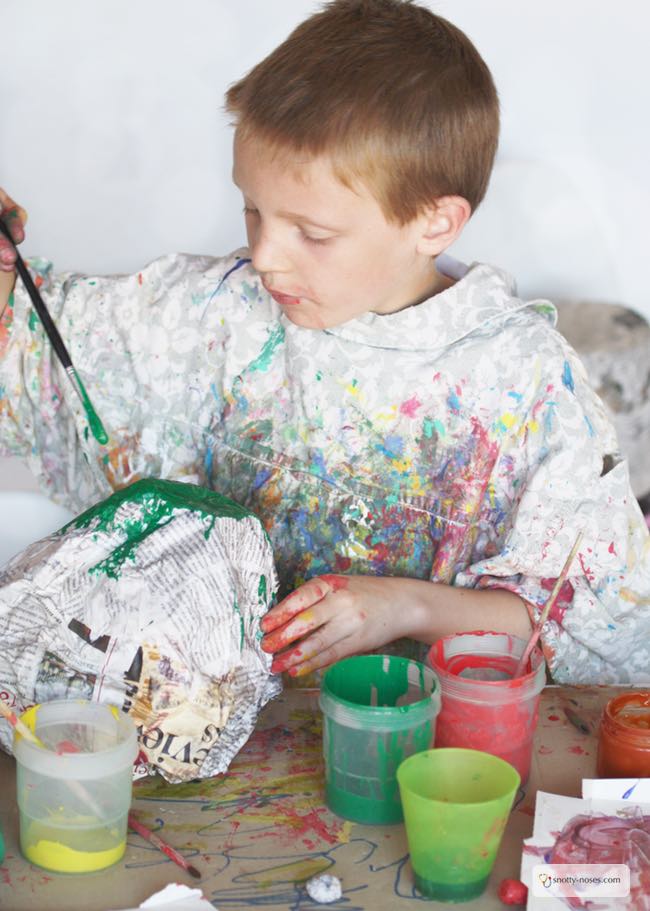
<point x="39" y="304"/>
<point x="57" y="342"/>
<point x="19" y="725"/>
<point x="161" y="845"/>
<point x="550" y="601"/>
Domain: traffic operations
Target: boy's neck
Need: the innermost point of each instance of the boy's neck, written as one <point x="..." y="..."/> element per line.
<point x="437" y="283"/>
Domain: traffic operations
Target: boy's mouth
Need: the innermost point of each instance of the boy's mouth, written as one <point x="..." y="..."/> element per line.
<point x="285" y="300"/>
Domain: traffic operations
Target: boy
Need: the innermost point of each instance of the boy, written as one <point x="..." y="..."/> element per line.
<point x="394" y="423"/>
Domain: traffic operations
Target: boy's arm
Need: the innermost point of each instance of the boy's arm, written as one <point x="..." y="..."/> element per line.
<point x="139" y="342"/>
<point x="331" y="617"/>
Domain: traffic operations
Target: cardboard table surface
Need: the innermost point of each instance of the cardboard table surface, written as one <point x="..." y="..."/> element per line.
<point x="261" y="830"/>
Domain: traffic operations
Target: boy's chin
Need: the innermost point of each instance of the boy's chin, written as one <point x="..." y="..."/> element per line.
<point x="308" y="320"/>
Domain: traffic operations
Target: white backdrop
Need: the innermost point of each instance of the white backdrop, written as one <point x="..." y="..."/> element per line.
<point x="112" y="133"/>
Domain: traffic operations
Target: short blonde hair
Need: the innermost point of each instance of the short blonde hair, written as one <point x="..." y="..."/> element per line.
<point x="397" y="97"/>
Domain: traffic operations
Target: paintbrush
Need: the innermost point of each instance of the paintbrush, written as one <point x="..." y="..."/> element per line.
<point x="52" y="332"/>
<point x="576" y="720"/>
<point x="20" y="726"/>
<point x="166" y="849"/>
<point x="75" y="786"/>
<point x="559" y="582"/>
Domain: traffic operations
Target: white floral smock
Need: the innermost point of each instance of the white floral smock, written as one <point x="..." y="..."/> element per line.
<point x="457" y="440"/>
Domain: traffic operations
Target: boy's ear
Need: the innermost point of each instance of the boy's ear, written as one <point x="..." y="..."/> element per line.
<point x="442" y="224"/>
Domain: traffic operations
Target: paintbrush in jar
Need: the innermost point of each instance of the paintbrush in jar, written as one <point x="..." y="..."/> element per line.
<point x="559" y="582"/>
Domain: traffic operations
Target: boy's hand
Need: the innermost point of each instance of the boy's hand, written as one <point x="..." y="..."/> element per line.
<point x="14" y="216"/>
<point x="331" y="617"/>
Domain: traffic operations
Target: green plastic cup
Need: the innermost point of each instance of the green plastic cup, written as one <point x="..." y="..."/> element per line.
<point x="377" y="710"/>
<point x="456" y="804"/>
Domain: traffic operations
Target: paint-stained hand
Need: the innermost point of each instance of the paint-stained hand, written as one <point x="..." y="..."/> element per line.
<point x="331" y="617"/>
<point x="14" y="217"/>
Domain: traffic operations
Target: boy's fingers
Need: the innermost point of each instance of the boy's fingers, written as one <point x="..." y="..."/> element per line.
<point x="323" y="659"/>
<point x="14" y="216"/>
<point x="315" y="651"/>
<point x="282" y="663"/>
<point x="308" y="594"/>
<point x="283" y="636"/>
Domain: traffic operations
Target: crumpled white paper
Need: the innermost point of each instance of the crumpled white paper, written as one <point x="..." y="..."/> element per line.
<point x="176" y="897"/>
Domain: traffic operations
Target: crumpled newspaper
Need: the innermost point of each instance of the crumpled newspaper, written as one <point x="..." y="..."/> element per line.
<point x="150" y="601"/>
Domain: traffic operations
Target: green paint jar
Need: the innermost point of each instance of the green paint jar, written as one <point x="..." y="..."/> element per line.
<point x="377" y="711"/>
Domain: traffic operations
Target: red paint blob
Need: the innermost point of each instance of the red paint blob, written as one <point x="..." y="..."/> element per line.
<point x="513" y="892"/>
<point x="553" y="717"/>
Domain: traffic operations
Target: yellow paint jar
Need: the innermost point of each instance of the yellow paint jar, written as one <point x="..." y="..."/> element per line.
<point x="74" y="793"/>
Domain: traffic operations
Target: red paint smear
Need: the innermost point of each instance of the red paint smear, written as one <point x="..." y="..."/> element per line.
<point x="553" y="717"/>
<point x="380" y="550"/>
<point x="301" y="825"/>
<point x="578" y="751"/>
<point x="544" y="751"/>
<point x="295" y="603"/>
<point x="341" y="563"/>
<point x="284" y="662"/>
<point x="611" y="548"/>
<point x="409" y="407"/>
<point x="562" y="600"/>
<point x="336" y="583"/>
<point x="66" y="746"/>
<point x="607" y="840"/>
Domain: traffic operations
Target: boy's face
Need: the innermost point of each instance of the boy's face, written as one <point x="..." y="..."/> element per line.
<point x="325" y="252"/>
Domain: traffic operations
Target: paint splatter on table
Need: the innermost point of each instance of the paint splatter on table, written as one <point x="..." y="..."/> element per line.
<point x="260" y="831"/>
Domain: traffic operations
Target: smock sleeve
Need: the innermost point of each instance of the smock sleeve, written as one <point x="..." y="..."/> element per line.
<point x="143" y="346"/>
<point x="563" y="475"/>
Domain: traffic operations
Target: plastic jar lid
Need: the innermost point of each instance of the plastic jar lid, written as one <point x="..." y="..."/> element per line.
<point x="377" y="692"/>
<point x="49" y="722"/>
<point x="453" y="652"/>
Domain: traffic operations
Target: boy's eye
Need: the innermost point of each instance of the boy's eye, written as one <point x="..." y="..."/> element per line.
<point x="314" y="240"/>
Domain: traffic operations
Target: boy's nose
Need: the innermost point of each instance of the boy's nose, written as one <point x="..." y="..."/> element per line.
<point x="266" y="254"/>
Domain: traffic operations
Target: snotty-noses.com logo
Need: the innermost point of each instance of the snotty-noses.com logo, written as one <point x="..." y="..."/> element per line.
<point x="581" y="880"/>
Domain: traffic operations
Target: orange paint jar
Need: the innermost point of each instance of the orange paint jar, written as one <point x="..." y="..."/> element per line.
<point x="624" y="743"/>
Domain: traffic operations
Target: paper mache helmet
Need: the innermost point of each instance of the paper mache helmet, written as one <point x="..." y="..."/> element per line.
<point x="151" y="601"/>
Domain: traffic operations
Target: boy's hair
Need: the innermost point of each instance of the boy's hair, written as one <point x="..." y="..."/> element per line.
<point x="397" y="97"/>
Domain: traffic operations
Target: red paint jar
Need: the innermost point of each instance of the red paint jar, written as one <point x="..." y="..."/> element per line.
<point x="483" y="707"/>
<point x="624" y="742"/>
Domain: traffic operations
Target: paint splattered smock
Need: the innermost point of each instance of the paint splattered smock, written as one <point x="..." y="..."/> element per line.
<point x="456" y="440"/>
